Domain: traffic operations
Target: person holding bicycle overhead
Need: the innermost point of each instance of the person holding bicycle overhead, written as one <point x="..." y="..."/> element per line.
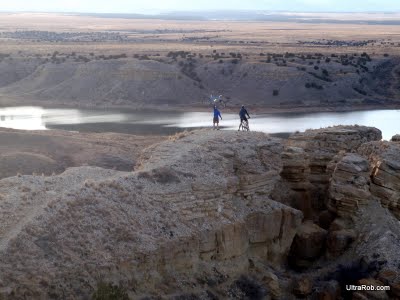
<point x="242" y="114"/>
<point x="217" y="115"/>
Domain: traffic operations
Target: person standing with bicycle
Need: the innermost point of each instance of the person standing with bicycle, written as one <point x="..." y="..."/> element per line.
<point x="217" y="115"/>
<point x="242" y="114"/>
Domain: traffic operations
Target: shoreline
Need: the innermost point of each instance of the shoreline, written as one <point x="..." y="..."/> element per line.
<point x="255" y="109"/>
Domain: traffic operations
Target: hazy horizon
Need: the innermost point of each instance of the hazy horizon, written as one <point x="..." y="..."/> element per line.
<point x="159" y="6"/>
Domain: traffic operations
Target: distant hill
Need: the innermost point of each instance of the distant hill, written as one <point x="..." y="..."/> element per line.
<point x="264" y="81"/>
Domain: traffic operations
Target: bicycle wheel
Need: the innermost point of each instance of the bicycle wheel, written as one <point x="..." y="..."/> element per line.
<point x="245" y="126"/>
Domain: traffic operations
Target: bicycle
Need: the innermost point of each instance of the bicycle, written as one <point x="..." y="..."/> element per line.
<point x="244" y="125"/>
<point x="217" y="101"/>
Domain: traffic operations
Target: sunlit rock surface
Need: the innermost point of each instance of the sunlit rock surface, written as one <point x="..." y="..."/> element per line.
<point x="209" y="213"/>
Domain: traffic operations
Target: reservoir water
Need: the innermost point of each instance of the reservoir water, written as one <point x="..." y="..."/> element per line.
<point x="155" y="122"/>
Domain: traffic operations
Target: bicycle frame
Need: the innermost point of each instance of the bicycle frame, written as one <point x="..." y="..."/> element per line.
<point x="244" y="125"/>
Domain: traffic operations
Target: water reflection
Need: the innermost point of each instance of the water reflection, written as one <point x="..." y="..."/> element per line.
<point x="38" y="118"/>
<point x="26" y="118"/>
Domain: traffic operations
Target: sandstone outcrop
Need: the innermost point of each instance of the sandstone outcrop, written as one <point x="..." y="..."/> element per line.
<point x="203" y="208"/>
<point x="349" y="185"/>
<point x="296" y="168"/>
<point x="312" y="170"/>
<point x="384" y="158"/>
<point x="378" y="233"/>
<point x="296" y="172"/>
<point x="197" y="203"/>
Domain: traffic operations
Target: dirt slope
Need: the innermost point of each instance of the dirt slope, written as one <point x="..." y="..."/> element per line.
<point x="295" y="81"/>
<point x="47" y="152"/>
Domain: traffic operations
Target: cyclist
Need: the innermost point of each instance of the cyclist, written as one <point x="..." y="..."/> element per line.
<point x="217" y="115"/>
<point x="242" y="114"/>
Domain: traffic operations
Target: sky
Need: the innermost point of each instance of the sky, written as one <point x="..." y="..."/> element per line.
<point x="133" y="6"/>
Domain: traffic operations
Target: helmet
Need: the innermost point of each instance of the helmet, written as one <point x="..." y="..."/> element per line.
<point x="242" y="106"/>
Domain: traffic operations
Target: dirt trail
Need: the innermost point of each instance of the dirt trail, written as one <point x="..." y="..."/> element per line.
<point x="27" y="214"/>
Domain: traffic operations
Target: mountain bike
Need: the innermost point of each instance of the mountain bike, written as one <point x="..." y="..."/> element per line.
<point x="244" y="125"/>
<point x="217" y="101"/>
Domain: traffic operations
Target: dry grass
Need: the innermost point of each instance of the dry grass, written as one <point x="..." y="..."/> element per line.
<point x="223" y="36"/>
<point x="179" y="135"/>
<point x="285" y="56"/>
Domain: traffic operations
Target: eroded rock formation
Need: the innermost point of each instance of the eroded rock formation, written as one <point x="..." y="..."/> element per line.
<point x="320" y="148"/>
<point x="384" y="158"/>
<point x="349" y="185"/>
<point x="213" y="214"/>
<point x="196" y="203"/>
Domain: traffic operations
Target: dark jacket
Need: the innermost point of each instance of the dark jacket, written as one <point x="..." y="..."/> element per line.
<point x="243" y="112"/>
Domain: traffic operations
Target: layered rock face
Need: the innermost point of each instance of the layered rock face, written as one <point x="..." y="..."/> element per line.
<point x="296" y="174"/>
<point x="320" y="147"/>
<point x="384" y="158"/>
<point x="202" y="209"/>
<point x="196" y="204"/>
<point x="349" y="186"/>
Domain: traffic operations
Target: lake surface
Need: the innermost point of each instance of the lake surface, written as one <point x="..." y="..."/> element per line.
<point x="125" y="121"/>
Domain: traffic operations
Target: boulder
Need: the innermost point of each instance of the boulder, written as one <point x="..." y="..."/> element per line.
<point x="308" y="244"/>
<point x="272" y="282"/>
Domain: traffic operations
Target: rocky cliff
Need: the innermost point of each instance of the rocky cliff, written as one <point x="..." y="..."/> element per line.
<point x="209" y="215"/>
<point x="320" y="148"/>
